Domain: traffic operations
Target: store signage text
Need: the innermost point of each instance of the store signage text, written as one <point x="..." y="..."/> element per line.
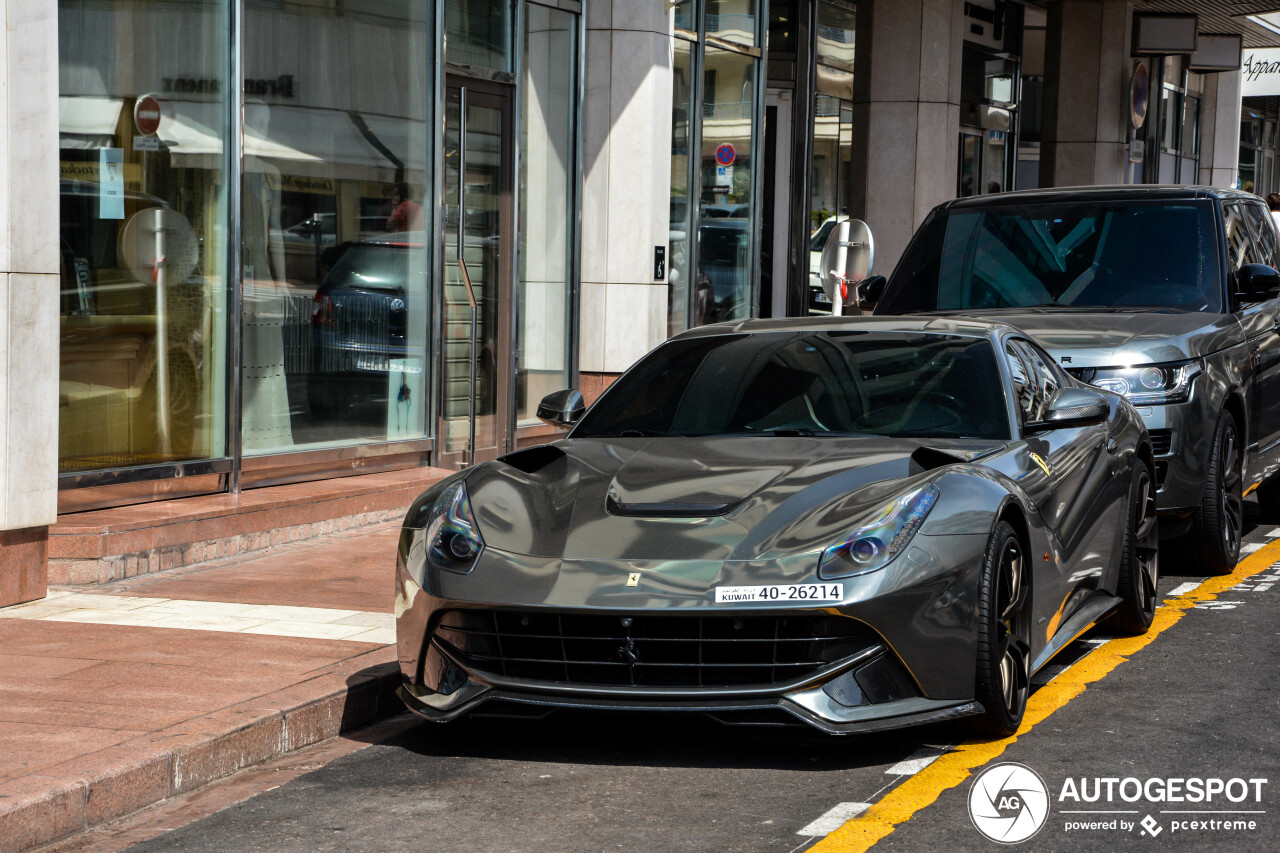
<point x="281" y="87"/>
<point x="1260" y="72"/>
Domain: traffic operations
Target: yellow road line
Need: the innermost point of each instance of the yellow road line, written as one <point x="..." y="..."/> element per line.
<point x="922" y="789"/>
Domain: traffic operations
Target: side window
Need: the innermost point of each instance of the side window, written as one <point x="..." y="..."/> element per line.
<point x="1240" y="250"/>
<point x="1035" y="379"/>
<point x="1264" y="234"/>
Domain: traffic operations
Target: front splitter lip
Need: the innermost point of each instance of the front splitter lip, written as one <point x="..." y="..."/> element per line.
<point x="889" y="715"/>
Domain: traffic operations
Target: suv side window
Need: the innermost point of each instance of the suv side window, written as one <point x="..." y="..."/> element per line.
<point x="1240" y="248"/>
<point x="1264" y="234"/>
<point x="1035" y="379"/>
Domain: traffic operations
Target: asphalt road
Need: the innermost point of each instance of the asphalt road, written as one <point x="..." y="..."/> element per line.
<point x="1199" y="701"/>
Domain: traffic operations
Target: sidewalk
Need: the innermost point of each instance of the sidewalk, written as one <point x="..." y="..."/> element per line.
<point x="115" y="699"/>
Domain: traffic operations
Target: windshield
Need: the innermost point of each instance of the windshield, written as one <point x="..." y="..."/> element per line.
<point x="1161" y="254"/>
<point x="808" y="383"/>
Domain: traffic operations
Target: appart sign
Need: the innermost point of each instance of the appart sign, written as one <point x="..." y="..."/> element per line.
<point x="1260" y="72"/>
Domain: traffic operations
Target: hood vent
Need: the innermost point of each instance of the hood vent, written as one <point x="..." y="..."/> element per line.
<point x="668" y="509"/>
<point x="534" y="459"/>
<point x="929" y="458"/>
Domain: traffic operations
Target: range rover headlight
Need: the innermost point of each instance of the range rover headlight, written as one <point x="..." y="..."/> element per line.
<point x="1149" y="384"/>
<point x="453" y="538"/>
<point x="873" y="545"/>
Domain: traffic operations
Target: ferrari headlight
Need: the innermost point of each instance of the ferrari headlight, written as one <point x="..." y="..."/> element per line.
<point x="1149" y="384"/>
<point x="453" y="539"/>
<point x="876" y="543"/>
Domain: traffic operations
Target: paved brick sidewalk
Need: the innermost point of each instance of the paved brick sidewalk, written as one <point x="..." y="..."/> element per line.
<point x="115" y="699"/>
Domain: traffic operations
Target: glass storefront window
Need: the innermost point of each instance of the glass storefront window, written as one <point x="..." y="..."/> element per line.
<point x="723" y="287"/>
<point x="547" y="176"/>
<point x="1191" y="126"/>
<point x="733" y="20"/>
<point x="336" y="297"/>
<point x="478" y="32"/>
<point x="681" y="209"/>
<point x="143" y="112"/>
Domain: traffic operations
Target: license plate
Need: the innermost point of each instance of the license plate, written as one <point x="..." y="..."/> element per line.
<point x="821" y="296"/>
<point x="780" y="593"/>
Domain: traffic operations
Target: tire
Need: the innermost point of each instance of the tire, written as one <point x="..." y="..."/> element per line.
<point x="1003" y="676"/>
<point x="1216" y="525"/>
<point x="1139" y="559"/>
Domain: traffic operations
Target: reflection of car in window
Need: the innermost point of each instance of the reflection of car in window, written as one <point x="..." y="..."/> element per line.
<point x="359" y="322"/>
<point x="724" y="262"/>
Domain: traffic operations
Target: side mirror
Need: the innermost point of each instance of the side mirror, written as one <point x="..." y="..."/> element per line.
<point x="1073" y="407"/>
<point x="870" y="291"/>
<point x="1257" y="279"/>
<point x="562" y="408"/>
<point x="846" y="257"/>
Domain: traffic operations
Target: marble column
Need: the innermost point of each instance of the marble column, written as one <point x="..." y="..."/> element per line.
<point x="626" y="185"/>
<point x="29" y="285"/>
<point x="1086" y="93"/>
<point x="906" y="117"/>
<point x="1220" y="129"/>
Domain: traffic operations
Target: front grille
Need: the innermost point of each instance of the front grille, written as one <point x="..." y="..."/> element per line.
<point x="650" y="651"/>
<point x="1161" y="442"/>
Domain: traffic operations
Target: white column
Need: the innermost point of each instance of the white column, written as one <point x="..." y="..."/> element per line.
<point x="626" y="181"/>
<point x="29" y="285"/>
<point x="906" y="117"/>
<point x="1220" y="129"/>
<point x="1086" y="99"/>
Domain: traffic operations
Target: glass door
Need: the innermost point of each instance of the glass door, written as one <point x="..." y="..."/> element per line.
<point x="478" y="378"/>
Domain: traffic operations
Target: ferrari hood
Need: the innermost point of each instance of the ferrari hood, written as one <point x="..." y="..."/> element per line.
<point x="694" y="498"/>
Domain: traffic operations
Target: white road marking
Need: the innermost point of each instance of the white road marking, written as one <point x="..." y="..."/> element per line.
<point x="1183" y="588"/>
<point x="1273" y="534"/>
<point x="1263" y="587"/>
<point x="1250" y="547"/>
<point x="917" y="761"/>
<point x="315" y="623"/>
<point x="837" y="817"/>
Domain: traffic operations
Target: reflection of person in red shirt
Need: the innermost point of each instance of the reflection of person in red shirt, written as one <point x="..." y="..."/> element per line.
<point x="406" y="214"/>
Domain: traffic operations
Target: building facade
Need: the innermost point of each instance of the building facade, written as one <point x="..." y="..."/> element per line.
<point x="312" y="238"/>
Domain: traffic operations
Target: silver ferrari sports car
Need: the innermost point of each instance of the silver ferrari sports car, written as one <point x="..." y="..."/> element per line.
<point x="858" y="523"/>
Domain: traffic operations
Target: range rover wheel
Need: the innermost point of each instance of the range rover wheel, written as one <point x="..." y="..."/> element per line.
<point x="1004" y="635"/>
<point x="1140" y="559"/>
<point x="1217" y="522"/>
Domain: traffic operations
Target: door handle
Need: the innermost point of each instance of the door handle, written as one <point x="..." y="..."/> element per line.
<point x="1112" y="445"/>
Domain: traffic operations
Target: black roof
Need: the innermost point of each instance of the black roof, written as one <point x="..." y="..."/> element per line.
<point x="1144" y="192"/>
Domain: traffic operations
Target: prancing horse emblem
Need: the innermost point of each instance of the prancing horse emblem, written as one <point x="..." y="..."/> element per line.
<point x="633" y="579"/>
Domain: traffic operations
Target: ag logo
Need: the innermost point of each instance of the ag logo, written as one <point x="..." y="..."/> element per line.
<point x="1008" y="803"/>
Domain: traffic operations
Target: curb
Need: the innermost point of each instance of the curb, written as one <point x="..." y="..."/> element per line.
<point x="78" y="795"/>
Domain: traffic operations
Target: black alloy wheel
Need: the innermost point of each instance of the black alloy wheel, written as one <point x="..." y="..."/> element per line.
<point x="1218" y="522"/>
<point x="1139" y="559"/>
<point x="1004" y="635"/>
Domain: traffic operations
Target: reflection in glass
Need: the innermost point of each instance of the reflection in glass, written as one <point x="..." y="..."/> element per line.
<point x="485" y="183"/>
<point x="723" y="287"/>
<point x="836" y="29"/>
<point x="478" y="32"/>
<point x="685" y="13"/>
<point x="832" y="167"/>
<point x="546" y="206"/>
<point x="142" y="251"/>
<point x="336" y="300"/>
<point x="681" y="211"/>
<point x="734" y="20"/>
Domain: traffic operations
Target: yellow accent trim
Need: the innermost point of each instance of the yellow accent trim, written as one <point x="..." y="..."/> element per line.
<point x="922" y="789"/>
<point x="1251" y="489"/>
<point x="1044" y="466"/>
